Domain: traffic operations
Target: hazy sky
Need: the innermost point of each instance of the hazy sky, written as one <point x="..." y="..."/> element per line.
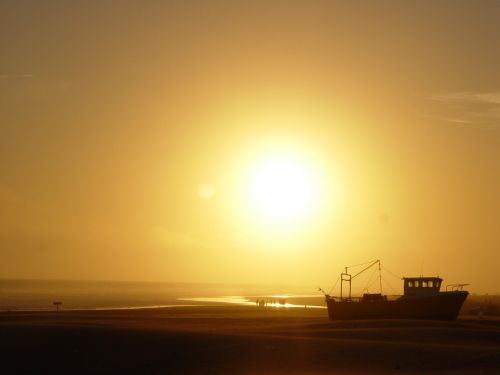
<point x="128" y="130"/>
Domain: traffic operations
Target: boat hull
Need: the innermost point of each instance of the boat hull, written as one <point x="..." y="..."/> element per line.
<point x="442" y="306"/>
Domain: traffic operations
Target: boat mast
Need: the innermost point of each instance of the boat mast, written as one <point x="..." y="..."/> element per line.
<point x="347" y="277"/>
<point x="380" y="275"/>
<point x="344" y="276"/>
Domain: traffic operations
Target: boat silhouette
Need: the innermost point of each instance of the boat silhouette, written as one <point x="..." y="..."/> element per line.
<point x="422" y="299"/>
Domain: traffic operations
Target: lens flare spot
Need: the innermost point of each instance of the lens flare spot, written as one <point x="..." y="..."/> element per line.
<point x="206" y="191"/>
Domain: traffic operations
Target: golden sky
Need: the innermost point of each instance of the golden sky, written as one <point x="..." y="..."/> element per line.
<point x="249" y="141"/>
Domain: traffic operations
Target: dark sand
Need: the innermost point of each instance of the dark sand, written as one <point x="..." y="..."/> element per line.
<point x="241" y="340"/>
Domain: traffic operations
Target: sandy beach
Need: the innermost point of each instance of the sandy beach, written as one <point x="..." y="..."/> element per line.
<point x="242" y="340"/>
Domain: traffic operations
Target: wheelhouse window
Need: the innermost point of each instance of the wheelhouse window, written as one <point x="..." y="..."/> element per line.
<point x="417" y="283"/>
<point x="410" y="284"/>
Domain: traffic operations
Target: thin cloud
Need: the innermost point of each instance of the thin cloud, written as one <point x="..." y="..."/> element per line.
<point x="467" y="107"/>
<point x="474" y="97"/>
<point x="15" y="76"/>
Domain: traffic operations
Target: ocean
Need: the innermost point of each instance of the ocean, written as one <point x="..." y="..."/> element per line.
<point x="40" y="295"/>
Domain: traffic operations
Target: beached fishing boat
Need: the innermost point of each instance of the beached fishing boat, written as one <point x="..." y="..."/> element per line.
<point x="422" y="299"/>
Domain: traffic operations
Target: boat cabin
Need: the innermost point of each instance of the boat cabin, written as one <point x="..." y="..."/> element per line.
<point x="421" y="286"/>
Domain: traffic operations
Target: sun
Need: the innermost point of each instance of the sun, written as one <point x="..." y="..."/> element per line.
<point x="282" y="188"/>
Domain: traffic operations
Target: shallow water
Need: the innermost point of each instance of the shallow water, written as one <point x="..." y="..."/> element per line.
<point x="269" y="301"/>
<point x="34" y="295"/>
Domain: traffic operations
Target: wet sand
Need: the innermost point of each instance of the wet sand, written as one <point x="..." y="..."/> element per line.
<point x="242" y="340"/>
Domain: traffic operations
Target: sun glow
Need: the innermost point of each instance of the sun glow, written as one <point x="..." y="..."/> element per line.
<point x="282" y="188"/>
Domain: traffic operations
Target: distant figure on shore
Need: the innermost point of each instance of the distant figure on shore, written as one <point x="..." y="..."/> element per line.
<point x="57" y="304"/>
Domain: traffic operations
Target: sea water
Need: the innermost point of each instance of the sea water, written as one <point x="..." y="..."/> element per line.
<point x="32" y="295"/>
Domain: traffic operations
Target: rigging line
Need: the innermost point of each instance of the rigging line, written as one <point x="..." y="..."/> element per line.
<point x="374" y="281"/>
<point x="391" y="273"/>
<point x="390" y="286"/>
<point x="394" y="290"/>
<point x="375" y="262"/>
<point x="361" y="264"/>
<point x="334" y="285"/>
<point x="369" y="286"/>
<point x="370" y="279"/>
